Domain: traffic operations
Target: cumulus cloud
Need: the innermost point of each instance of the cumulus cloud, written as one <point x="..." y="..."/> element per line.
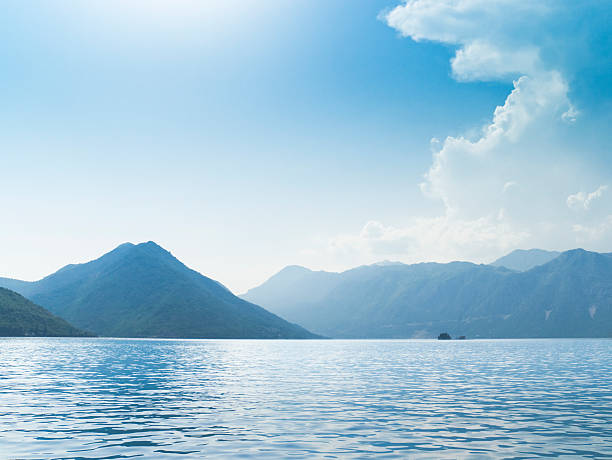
<point x="582" y="200"/>
<point x="463" y="169"/>
<point x="525" y="43"/>
<point x="479" y="60"/>
<point x="470" y="176"/>
<point x="495" y="37"/>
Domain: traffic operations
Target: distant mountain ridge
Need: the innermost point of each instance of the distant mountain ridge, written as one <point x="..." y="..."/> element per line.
<point x="525" y="259"/>
<point x="570" y="296"/>
<point x="14" y="285"/>
<point x="143" y="291"/>
<point x="21" y="318"/>
<point x="302" y="285"/>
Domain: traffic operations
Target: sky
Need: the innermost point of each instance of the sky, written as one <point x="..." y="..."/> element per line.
<point x="244" y="136"/>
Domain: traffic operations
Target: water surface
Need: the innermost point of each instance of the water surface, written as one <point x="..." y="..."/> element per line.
<point x="116" y="398"/>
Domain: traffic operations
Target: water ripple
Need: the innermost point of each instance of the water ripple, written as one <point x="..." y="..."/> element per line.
<point x="112" y="398"/>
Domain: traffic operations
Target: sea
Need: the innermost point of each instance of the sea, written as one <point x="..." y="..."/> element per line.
<point x="86" y="398"/>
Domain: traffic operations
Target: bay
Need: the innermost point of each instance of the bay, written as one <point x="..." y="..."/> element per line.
<point x="132" y="398"/>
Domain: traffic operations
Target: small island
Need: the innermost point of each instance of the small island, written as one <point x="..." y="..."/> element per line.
<point x="446" y="336"/>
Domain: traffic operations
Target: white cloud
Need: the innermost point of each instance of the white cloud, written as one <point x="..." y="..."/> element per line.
<point x="596" y="232"/>
<point x="491" y="34"/>
<point x="502" y="40"/>
<point x="509" y="185"/>
<point x="461" y="21"/>
<point x="582" y="200"/>
<point x="571" y="114"/>
<point x="465" y="174"/>
<point x="482" y="61"/>
<point x="440" y="238"/>
<point x="468" y="175"/>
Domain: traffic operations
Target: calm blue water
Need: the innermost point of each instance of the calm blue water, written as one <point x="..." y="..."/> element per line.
<point x="112" y="398"/>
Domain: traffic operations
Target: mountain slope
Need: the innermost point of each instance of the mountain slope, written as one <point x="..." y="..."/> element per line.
<point x="301" y="285"/>
<point x="21" y="318"/>
<point x="571" y="296"/>
<point x="522" y="260"/>
<point x="143" y="291"/>
<point x="15" y="285"/>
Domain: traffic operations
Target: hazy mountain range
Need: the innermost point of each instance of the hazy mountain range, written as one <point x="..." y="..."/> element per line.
<point x="143" y="291"/>
<point x="522" y="260"/>
<point x="570" y="295"/>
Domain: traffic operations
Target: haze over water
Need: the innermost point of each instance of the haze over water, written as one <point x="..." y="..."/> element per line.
<point x="121" y="398"/>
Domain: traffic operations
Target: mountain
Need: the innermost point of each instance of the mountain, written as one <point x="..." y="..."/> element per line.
<point x="570" y="296"/>
<point x="522" y="260"/>
<point x="21" y="318"/>
<point x="143" y="291"/>
<point x="387" y="263"/>
<point x="14" y="285"/>
<point x="292" y="289"/>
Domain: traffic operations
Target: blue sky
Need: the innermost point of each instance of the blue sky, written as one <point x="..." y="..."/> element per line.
<point x="246" y="136"/>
